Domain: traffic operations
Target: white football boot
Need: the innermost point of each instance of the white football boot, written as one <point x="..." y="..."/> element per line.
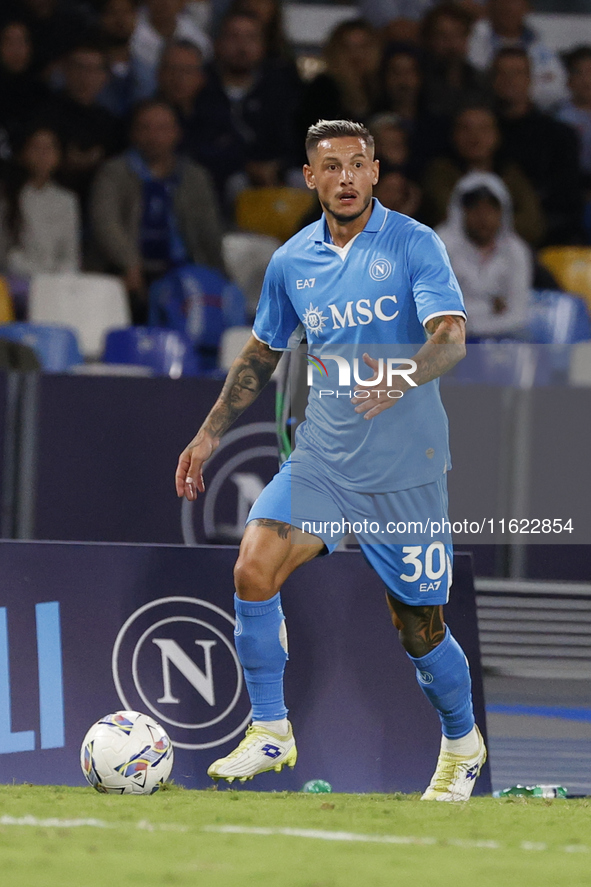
<point x="260" y="751"/>
<point x="455" y="775"/>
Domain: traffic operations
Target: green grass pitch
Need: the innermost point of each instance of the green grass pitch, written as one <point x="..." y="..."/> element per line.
<point x="51" y="835"/>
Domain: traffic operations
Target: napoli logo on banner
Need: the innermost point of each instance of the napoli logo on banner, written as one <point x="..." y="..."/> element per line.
<point x="174" y="658"/>
<point x="235" y="476"/>
<point x="380" y="269"/>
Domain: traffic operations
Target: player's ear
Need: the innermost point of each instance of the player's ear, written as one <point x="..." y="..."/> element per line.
<point x="376" y="171"/>
<point x="309" y="177"/>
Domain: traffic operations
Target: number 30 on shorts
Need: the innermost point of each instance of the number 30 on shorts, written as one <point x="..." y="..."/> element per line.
<point x="432" y="561"/>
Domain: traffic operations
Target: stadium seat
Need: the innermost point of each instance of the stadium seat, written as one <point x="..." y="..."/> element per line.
<point x="232" y="342"/>
<point x="558" y="318"/>
<point x="571" y="266"/>
<point x="166" y="352"/>
<point x="90" y="303"/>
<point x="200" y="303"/>
<point x="246" y="257"/>
<point x="273" y="211"/>
<point x="56" y="346"/>
<point x="580" y="364"/>
<point x="6" y="306"/>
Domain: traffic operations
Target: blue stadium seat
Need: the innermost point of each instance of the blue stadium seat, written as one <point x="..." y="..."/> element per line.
<point x="166" y="352"/>
<point x="56" y="346"/>
<point x="558" y="318"/>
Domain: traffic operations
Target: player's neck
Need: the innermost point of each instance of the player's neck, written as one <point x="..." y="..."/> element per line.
<point x="342" y="232"/>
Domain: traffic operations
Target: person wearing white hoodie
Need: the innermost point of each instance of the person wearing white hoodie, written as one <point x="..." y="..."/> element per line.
<point x="494" y="266"/>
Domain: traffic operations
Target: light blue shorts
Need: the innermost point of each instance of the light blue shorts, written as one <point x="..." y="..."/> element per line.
<point x="405" y="535"/>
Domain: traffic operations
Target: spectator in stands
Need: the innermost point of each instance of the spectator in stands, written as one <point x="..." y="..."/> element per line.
<point x="395" y="189"/>
<point x="21" y="93"/>
<point x="88" y="132"/>
<point x="270" y="15"/>
<point x="475" y="147"/>
<point x="209" y="136"/>
<point x="181" y="79"/>
<point x="402" y="94"/>
<point x="131" y="79"/>
<point x="349" y="87"/>
<point x="159" y="22"/>
<point x="506" y="26"/>
<point x="39" y="220"/>
<point x="55" y="27"/>
<point x="577" y="113"/>
<point x="545" y="149"/>
<point x="391" y="141"/>
<point x="450" y="80"/>
<point x="253" y="102"/>
<point x="493" y="265"/>
<point x="152" y="209"/>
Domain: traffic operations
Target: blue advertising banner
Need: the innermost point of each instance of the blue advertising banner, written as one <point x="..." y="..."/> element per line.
<point x="107" y="450"/>
<point x="90" y="629"/>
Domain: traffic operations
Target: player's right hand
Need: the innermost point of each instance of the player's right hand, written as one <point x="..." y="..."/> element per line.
<point x="189" y="471"/>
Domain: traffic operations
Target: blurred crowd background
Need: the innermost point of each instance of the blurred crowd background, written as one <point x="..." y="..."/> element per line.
<point x="162" y="142"/>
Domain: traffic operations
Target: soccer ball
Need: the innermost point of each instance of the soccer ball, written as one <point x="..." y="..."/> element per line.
<point x="126" y="753"/>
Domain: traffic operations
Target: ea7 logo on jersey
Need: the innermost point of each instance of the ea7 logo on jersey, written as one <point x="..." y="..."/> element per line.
<point x="380" y="269"/>
<point x="363" y="312"/>
<point x="303" y="284"/>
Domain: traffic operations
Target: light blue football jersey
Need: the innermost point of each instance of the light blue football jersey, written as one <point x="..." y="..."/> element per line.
<point x="375" y="297"/>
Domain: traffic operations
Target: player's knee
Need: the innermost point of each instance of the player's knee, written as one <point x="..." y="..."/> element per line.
<point x="253" y="579"/>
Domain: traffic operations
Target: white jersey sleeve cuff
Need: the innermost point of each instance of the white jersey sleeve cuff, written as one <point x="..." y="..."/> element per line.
<point x="443" y="314"/>
<point x="292" y="343"/>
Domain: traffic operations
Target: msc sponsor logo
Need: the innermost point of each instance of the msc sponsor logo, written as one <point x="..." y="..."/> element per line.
<point x="380" y="269"/>
<point x="314" y="320"/>
<point x="175" y="658"/>
<point x="363" y="311"/>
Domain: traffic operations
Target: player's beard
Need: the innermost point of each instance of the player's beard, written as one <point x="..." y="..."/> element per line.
<point x="342" y="219"/>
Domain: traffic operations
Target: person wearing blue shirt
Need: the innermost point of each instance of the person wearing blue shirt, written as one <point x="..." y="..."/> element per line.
<point x="374" y="295"/>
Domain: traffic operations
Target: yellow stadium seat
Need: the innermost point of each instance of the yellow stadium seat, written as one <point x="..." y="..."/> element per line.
<point x="571" y="266"/>
<point x="277" y="212"/>
<point x="6" y="307"/>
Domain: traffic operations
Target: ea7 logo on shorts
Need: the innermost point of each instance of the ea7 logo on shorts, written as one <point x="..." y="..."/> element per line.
<point x="304" y="284"/>
<point x="430" y="586"/>
<point x="380" y="269"/>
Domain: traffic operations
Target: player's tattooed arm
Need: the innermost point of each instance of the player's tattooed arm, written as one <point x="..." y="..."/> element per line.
<point x="444" y="347"/>
<point x="246" y="378"/>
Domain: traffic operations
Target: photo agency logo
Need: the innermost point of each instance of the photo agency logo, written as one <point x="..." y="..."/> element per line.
<point x="388" y="371"/>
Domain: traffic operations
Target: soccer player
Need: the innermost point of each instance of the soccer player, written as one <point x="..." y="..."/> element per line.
<point x="362" y="274"/>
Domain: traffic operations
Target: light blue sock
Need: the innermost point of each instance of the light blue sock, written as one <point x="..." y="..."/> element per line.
<point x="261" y="644"/>
<point x="444" y="677"/>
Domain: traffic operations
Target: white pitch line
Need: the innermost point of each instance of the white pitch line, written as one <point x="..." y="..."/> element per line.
<point x="142" y="825"/>
<point x="318" y="834"/>
<point x="55" y="823"/>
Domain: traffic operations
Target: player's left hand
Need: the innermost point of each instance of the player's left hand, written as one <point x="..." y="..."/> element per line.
<point x="378" y="399"/>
